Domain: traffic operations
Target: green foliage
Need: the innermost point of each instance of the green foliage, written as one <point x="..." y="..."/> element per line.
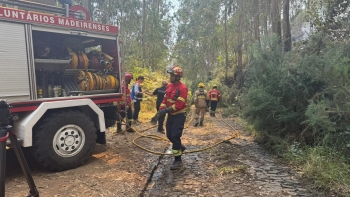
<point x="329" y="16"/>
<point x="197" y="39"/>
<point x="326" y="168"/>
<point x="302" y="94"/>
<point x="272" y="94"/>
<point x="153" y="80"/>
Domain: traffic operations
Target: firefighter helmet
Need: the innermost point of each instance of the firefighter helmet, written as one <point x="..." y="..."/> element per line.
<point x="201" y="85"/>
<point x="215" y="86"/>
<point x="176" y="70"/>
<point x="128" y="76"/>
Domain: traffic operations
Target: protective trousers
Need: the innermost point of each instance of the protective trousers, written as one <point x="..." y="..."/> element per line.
<point x="122" y="115"/>
<point x="213" y="105"/>
<point x="137" y="108"/>
<point x="174" y="127"/>
<point x="200" y="112"/>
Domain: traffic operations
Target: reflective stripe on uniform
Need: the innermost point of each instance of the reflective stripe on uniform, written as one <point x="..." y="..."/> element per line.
<point x="163" y="105"/>
<point x="181" y="99"/>
<point x="179" y="112"/>
<point x="171" y="101"/>
<point x="177" y="152"/>
<point x="173" y="107"/>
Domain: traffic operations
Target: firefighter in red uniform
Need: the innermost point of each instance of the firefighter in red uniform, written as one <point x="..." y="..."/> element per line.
<point x="121" y="108"/>
<point x="214" y="97"/>
<point x="174" y="103"/>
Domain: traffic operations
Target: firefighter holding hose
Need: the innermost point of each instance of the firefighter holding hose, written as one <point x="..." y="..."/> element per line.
<point x="174" y="103"/>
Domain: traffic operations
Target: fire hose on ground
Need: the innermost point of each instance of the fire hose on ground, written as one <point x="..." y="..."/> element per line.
<point x="156" y="137"/>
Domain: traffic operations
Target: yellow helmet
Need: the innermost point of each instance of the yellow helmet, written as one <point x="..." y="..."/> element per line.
<point x="215" y="86"/>
<point x="201" y="85"/>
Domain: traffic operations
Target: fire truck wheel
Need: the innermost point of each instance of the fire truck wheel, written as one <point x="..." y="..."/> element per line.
<point x="63" y="140"/>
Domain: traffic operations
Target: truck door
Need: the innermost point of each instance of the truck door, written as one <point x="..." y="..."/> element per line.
<point x="14" y="74"/>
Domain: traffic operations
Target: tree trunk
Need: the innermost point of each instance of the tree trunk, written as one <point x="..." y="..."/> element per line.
<point x="266" y="16"/>
<point x="276" y="18"/>
<point x="240" y="40"/>
<point x="144" y="33"/>
<point x="256" y="21"/>
<point x="238" y="71"/>
<point x="158" y="7"/>
<point x="121" y="17"/>
<point x="225" y="40"/>
<point x="85" y="4"/>
<point x="286" y="27"/>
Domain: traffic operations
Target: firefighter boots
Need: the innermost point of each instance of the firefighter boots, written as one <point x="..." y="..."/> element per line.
<point x="129" y="129"/>
<point x="161" y="131"/>
<point x="201" y="123"/>
<point x="196" y="124"/>
<point x="176" y="165"/>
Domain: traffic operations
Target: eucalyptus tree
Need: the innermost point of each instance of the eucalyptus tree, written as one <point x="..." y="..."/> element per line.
<point x="197" y="40"/>
<point x="287" y="37"/>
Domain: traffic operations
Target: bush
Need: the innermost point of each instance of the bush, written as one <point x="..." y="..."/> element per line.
<point x="303" y="94"/>
<point x="325" y="168"/>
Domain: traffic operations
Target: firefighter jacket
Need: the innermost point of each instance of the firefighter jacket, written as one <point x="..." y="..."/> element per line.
<point x="200" y="98"/>
<point x="125" y="88"/>
<point x="214" y="95"/>
<point x="175" y="97"/>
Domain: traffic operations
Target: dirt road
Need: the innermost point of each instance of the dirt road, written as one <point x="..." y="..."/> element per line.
<point x="235" y="168"/>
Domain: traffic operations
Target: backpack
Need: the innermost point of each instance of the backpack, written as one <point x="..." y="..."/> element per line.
<point x="132" y="95"/>
<point x="200" y="98"/>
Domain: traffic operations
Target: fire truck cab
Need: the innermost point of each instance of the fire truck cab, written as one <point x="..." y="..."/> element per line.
<point x="60" y="73"/>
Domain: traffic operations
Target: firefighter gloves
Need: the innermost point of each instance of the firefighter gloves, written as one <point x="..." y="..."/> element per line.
<point x="163" y="111"/>
<point x="155" y="118"/>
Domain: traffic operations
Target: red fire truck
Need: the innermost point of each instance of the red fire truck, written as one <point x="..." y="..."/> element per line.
<point x="60" y="73"/>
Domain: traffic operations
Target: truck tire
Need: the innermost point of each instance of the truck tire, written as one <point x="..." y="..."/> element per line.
<point x="63" y="140"/>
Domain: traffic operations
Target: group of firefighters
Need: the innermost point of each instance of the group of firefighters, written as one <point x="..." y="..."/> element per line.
<point x="203" y="100"/>
<point x="171" y="100"/>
